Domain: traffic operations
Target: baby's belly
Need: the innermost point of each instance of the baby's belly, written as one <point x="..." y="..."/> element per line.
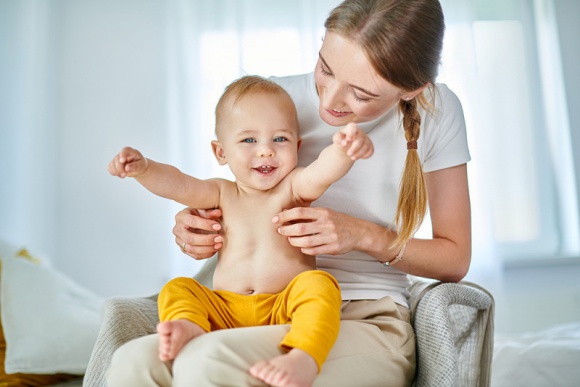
<point x="268" y="275"/>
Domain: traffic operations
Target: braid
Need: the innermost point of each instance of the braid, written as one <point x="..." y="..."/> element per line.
<point x="412" y="204"/>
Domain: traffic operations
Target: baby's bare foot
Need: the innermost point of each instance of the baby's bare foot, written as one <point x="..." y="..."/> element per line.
<point x="173" y="335"/>
<point x="293" y="369"/>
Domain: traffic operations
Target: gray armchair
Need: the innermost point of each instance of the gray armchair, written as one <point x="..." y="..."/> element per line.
<point x="453" y="324"/>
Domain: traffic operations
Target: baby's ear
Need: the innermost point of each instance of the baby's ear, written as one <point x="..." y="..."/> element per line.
<point x="218" y="151"/>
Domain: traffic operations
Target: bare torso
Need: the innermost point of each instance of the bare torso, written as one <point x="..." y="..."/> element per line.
<point x="255" y="258"/>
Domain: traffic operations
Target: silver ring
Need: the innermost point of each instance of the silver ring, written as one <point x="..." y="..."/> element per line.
<point x="183" y="247"/>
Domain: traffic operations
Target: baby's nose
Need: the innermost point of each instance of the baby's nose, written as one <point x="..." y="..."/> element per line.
<point x="265" y="151"/>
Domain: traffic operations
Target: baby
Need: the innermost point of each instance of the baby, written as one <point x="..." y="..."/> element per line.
<point x="260" y="278"/>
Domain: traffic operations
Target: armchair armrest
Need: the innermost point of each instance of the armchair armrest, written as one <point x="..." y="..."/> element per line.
<point x="125" y="319"/>
<point x="454" y="328"/>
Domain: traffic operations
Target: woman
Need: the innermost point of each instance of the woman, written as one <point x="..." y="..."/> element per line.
<point x="377" y="68"/>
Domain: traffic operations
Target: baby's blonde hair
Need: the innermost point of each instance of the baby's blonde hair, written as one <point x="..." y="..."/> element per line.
<point x="247" y="85"/>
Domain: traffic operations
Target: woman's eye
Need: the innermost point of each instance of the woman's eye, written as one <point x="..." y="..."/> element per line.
<point x="249" y="140"/>
<point x="359" y="99"/>
<point x="324" y="71"/>
<point x="280" y="139"/>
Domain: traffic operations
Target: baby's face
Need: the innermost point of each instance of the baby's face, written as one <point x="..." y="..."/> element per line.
<point x="259" y="136"/>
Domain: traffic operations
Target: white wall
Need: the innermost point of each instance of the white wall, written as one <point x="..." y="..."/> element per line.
<point x="112" y="93"/>
<point x="98" y="69"/>
<point x="536" y="297"/>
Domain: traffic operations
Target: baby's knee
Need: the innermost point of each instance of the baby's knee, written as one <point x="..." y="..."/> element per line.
<point x="317" y="280"/>
<point x="180" y="287"/>
<point x="178" y="284"/>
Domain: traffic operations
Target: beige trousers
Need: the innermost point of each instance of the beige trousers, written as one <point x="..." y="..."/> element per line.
<point x="375" y="347"/>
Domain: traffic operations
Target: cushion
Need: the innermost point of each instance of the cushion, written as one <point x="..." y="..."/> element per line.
<point x="20" y="379"/>
<point x="50" y="322"/>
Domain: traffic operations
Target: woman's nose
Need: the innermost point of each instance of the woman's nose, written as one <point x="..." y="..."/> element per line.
<point x="332" y="97"/>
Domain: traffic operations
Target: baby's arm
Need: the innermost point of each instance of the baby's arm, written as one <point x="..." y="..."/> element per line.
<point x="165" y="180"/>
<point x="348" y="145"/>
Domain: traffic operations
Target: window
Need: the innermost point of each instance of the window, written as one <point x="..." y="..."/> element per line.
<point x="495" y="60"/>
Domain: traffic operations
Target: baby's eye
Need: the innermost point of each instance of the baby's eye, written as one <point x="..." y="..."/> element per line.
<point x="280" y="139"/>
<point x="249" y="140"/>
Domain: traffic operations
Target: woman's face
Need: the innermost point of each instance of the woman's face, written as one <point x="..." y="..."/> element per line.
<point x="350" y="90"/>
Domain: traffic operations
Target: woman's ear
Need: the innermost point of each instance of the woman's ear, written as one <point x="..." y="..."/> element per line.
<point x="218" y="151"/>
<point x="412" y="94"/>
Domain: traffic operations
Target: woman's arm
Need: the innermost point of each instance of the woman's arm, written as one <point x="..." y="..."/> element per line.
<point x="446" y="257"/>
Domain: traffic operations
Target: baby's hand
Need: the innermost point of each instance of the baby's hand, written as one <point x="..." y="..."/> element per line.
<point x="128" y="163"/>
<point x="354" y="142"/>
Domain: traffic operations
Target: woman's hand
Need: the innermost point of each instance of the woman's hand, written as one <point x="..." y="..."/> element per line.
<point x="319" y="230"/>
<point x="197" y="232"/>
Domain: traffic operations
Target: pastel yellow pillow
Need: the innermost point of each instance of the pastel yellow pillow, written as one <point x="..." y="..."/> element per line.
<point x="29" y="380"/>
<point x="49" y="322"/>
<point x="19" y="379"/>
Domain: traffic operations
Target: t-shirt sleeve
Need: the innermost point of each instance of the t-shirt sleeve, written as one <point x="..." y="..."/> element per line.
<point x="445" y="135"/>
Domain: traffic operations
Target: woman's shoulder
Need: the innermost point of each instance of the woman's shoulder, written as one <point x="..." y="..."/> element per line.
<point x="444" y="98"/>
<point x="444" y="135"/>
<point x="445" y="106"/>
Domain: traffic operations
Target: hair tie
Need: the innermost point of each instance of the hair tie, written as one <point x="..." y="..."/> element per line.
<point x="411" y="145"/>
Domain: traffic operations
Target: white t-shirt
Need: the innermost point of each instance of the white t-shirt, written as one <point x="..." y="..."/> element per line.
<point x="370" y="190"/>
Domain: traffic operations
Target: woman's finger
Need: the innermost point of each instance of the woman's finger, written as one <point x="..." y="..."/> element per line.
<point x="295" y="214"/>
<point x="196" y="232"/>
<point x="330" y="249"/>
<point x="199" y="246"/>
<point x="213" y="214"/>
<point x="300" y="229"/>
<point x="190" y="219"/>
<point x="200" y="252"/>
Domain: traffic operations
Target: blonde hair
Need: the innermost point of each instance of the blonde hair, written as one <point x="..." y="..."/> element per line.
<point x="402" y="40"/>
<point x="246" y="85"/>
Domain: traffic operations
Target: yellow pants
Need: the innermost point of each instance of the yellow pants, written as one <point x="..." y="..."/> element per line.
<point x="311" y="303"/>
